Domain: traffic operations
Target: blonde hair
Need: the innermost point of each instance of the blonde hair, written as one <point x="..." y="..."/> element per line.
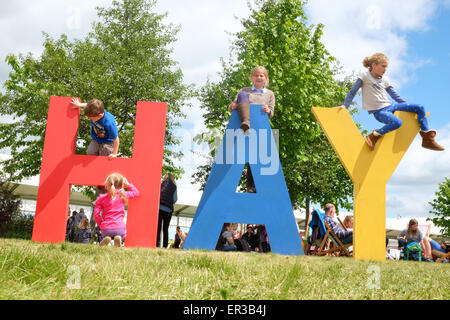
<point x="347" y="221"/>
<point x="114" y="182"/>
<point x="84" y="224"/>
<point x="376" y="58"/>
<point x="264" y="71"/>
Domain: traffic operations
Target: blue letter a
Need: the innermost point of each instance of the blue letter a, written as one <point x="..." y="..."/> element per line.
<point x="270" y="205"/>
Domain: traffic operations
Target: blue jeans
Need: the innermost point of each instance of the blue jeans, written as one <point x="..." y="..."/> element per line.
<point x="347" y="239"/>
<point x="229" y="247"/>
<point x="436" y="246"/>
<point x="386" y="115"/>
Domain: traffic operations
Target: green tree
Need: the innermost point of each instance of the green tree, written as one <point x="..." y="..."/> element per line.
<point x="9" y="203"/>
<point x="303" y="74"/>
<point x="441" y="207"/>
<point x="125" y="58"/>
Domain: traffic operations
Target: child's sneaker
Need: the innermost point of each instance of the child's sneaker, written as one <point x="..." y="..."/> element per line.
<point x="105" y="241"/>
<point x="118" y="241"/>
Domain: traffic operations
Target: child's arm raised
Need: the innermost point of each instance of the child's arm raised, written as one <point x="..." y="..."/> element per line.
<point x="134" y="192"/>
<point x="78" y="104"/>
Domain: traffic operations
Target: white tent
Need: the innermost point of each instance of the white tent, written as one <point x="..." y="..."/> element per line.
<point x="186" y="206"/>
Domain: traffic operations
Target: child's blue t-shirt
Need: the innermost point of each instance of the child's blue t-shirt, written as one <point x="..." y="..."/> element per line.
<point x="105" y="129"/>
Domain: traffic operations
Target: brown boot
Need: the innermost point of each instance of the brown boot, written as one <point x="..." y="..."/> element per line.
<point x="428" y="141"/>
<point x="372" y="139"/>
<point x="244" y="112"/>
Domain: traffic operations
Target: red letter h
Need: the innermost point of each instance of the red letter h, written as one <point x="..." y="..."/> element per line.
<point x="61" y="168"/>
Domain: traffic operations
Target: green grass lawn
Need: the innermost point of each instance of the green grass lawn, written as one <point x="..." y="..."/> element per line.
<point x="31" y="270"/>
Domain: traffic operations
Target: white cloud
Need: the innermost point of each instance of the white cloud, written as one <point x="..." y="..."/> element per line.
<point x="355" y="29"/>
<point x="422" y="167"/>
<point x="203" y="37"/>
<point x="22" y="23"/>
<point x="202" y="41"/>
<point x="416" y="179"/>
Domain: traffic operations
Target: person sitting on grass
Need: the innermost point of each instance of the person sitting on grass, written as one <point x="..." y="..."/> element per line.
<point x="226" y="241"/>
<point x="251" y="238"/>
<point x="413" y="234"/>
<point x="182" y="235"/>
<point x="84" y="231"/>
<point x="177" y="242"/>
<point x="441" y="247"/>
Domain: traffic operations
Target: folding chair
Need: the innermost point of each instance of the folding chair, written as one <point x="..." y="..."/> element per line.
<point x="425" y="229"/>
<point x="441" y="255"/>
<point x="318" y="231"/>
<point x="307" y="234"/>
<point x="336" y="245"/>
<point x="324" y="238"/>
<point x="342" y="224"/>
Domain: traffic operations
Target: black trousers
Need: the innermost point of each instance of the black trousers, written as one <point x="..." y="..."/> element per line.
<point x="163" y="223"/>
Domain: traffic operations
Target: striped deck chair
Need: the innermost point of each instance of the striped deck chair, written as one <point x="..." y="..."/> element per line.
<point x="335" y="245"/>
<point x="324" y="239"/>
<point x="440" y="255"/>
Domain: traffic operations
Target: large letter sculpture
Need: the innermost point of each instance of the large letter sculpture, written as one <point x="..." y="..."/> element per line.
<point x="270" y="205"/>
<point x="369" y="171"/>
<point x="61" y="168"/>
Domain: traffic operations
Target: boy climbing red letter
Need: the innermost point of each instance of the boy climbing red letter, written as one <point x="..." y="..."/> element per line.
<point x="61" y="168"/>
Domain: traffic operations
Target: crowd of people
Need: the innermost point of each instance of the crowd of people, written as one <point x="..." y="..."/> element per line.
<point x="107" y="227"/>
<point x="255" y="239"/>
<point x="411" y="235"/>
<point x="79" y="227"/>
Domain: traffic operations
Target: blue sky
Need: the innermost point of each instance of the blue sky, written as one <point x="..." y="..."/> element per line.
<point x="429" y="84"/>
<point x="413" y="33"/>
